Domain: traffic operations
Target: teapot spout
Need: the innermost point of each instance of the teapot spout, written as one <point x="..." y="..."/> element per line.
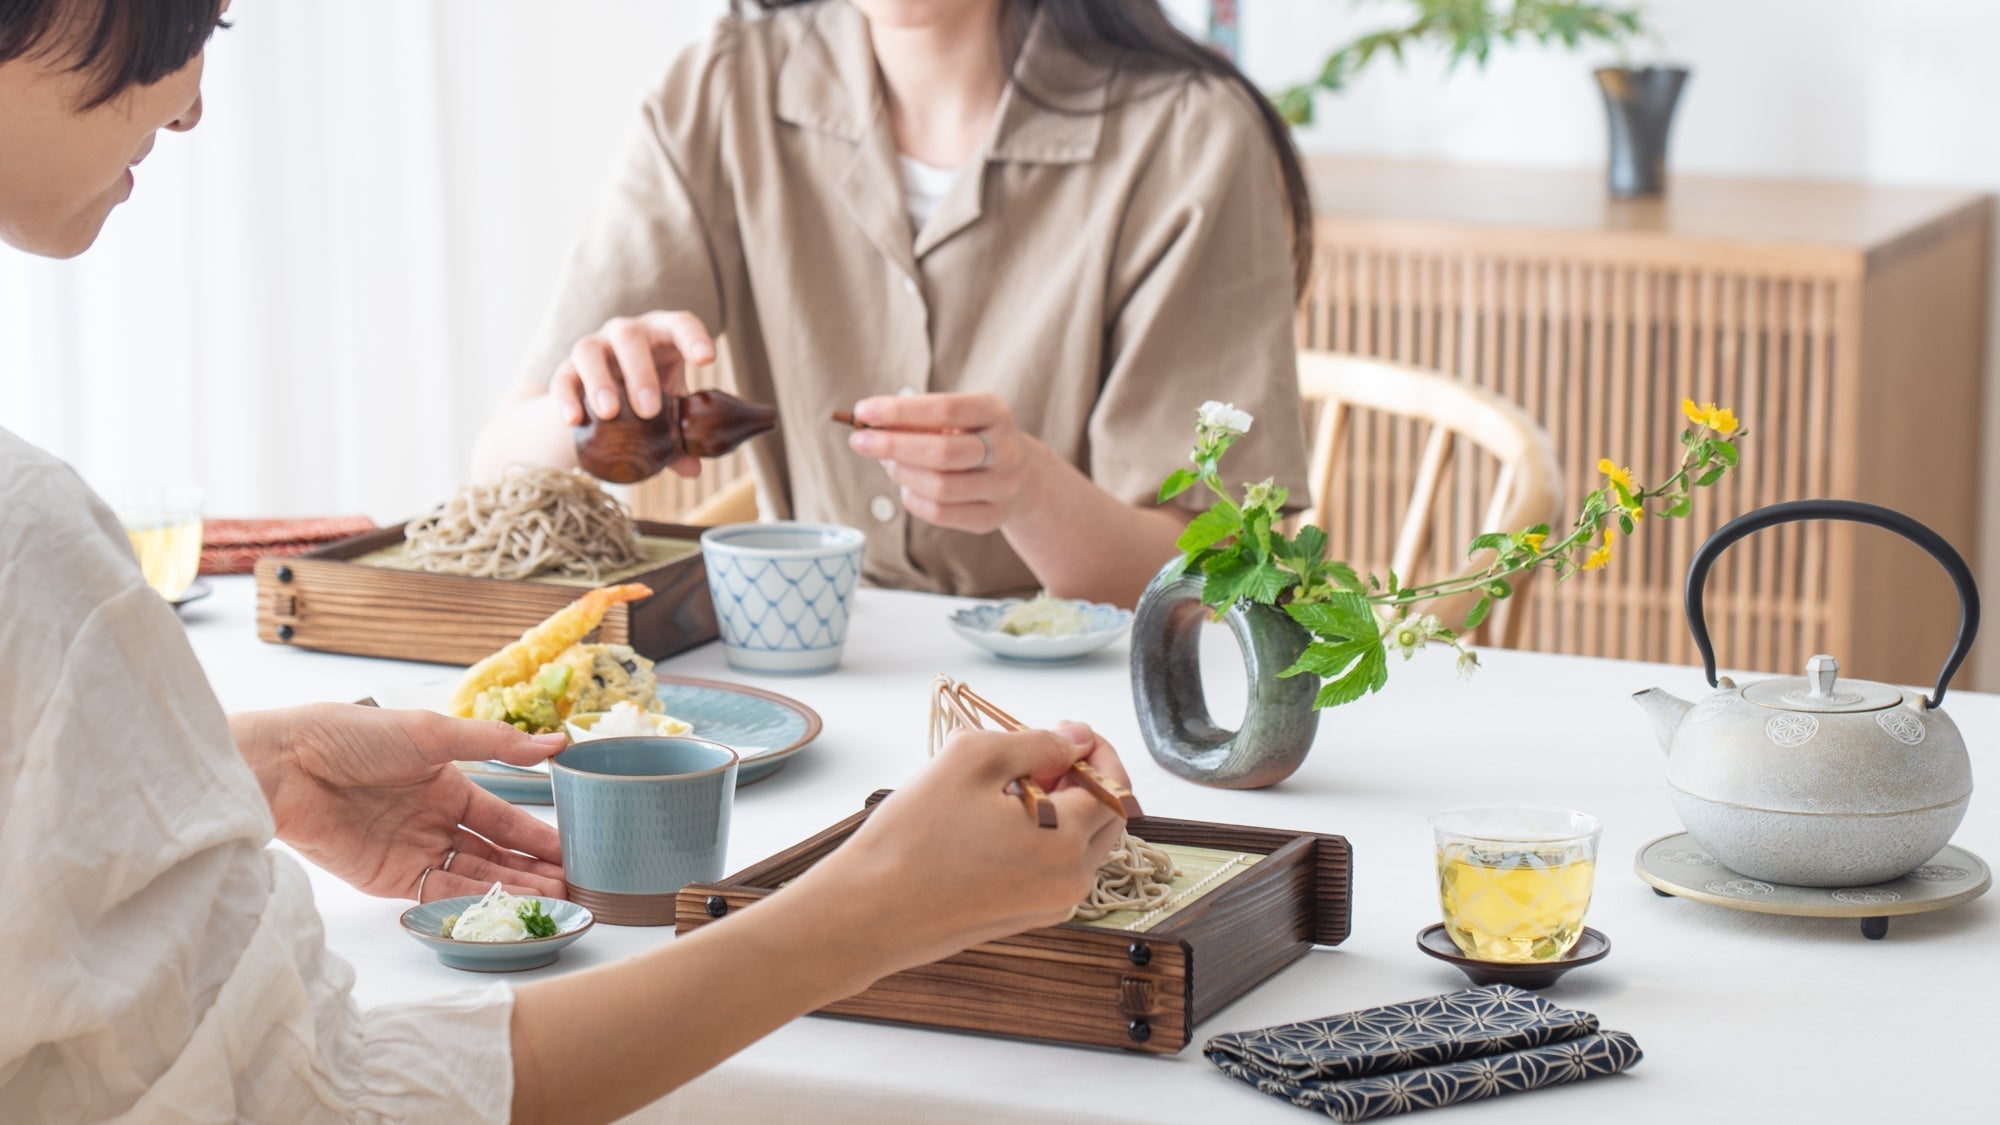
<point x="1666" y="711"/>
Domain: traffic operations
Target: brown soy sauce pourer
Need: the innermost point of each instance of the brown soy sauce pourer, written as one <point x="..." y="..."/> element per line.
<point x="628" y="449"/>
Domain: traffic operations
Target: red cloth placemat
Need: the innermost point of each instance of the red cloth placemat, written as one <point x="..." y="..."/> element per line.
<point x="234" y="546"/>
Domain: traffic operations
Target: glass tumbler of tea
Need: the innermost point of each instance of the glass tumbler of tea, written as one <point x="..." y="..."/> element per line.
<point x="1515" y="879"/>
<point x="164" y="525"/>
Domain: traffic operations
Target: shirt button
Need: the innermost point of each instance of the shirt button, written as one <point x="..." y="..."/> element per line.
<point x="910" y="286"/>
<point x="906" y="392"/>
<point x="882" y="508"/>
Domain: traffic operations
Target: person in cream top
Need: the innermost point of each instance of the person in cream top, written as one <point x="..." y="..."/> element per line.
<point x="1120" y="238"/>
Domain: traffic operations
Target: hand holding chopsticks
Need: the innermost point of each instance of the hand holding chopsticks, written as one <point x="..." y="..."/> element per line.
<point x="954" y="705"/>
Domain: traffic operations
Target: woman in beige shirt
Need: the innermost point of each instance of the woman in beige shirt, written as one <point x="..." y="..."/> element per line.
<point x="1121" y="238"/>
<point x="162" y="963"/>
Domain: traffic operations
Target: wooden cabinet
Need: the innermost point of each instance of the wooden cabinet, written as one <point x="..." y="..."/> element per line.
<point x="1845" y="324"/>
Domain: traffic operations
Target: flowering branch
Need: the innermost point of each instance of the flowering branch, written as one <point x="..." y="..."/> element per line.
<point x="1356" y="620"/>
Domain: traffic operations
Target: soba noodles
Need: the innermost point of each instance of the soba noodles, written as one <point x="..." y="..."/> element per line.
<point x="531" y="521"/>
<point x="1136" y="875"/>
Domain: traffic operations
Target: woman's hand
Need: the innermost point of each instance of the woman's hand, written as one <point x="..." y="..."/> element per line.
<point x="952" y="859"/>
<point x="648" y="356"/>
<point x="961" y="461"/>
<point x="371" y="795"/>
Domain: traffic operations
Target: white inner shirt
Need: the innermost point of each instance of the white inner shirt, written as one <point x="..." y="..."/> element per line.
<point x="924" y="187"/>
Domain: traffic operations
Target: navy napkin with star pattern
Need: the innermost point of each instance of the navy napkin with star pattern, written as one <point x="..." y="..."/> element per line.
<point x="1441" y="1050"/>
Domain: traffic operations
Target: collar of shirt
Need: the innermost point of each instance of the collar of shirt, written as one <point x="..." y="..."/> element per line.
<point x="828" y="83"/>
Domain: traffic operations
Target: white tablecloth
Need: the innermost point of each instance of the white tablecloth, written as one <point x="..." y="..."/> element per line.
<point x="1743" y="1017"/>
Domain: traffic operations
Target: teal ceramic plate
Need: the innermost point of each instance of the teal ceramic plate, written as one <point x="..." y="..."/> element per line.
<point x="425" y="921"/>
<point x="764" y="728"/>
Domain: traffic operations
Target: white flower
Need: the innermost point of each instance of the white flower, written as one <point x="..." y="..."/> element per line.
<point x="1407" y="637"/>
<point x="1257" y="494"/>
<point x="1468" y="663"/>
<point x="1223" y="417"/>
<point x="1430" y="625"/>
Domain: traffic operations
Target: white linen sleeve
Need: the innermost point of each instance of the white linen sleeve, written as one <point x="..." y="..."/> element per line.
<point x="162" y="962"/>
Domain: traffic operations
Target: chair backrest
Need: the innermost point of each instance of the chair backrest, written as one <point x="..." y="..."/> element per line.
<point x="1408" y="465"/>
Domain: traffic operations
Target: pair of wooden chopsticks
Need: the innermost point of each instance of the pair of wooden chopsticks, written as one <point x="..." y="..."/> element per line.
<point x="969" y="705"/>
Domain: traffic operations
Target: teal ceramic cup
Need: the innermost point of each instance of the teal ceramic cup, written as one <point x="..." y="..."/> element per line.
<point x="640" y="818"/>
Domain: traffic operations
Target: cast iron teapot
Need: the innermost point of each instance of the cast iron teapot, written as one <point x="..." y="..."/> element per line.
<point x="1818" y="781"/>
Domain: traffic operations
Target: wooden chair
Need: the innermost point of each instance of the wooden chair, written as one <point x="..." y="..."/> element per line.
<point x="735" y="503"/>
<point x="1482" y="465"/>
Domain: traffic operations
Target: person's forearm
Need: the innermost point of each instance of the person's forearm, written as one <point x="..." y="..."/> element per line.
<point x="1083" y="542"/>
<point x="598" y="1045"/>
<point x="529" y="429"/>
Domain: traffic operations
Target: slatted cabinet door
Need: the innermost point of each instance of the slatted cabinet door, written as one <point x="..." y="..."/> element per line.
<point x="1598" y="318"/>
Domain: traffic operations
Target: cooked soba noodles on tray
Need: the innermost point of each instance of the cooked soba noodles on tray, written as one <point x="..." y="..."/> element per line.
<point x="532" y="521"/>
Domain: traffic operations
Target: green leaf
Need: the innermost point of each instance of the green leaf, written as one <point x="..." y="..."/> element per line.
<point x="1238" y="576"/>
<point x="1540" y="529"/>
<point x="1368" y="674"/>
<point x="1257" y="524"/>
<point x="1624" y="495"/>
<point x="1329" y="660"/>
<point x="1177" y="482"/>
<point x="1311" y="543"/>
<point x="1625" y="523"/>
<point x="1500" y="588"/>
<point x="1725" y="452"/>
<point x="1344" y="576"/>
<point x="1209" y="528"/>
<point x="1295" y="105"/>
<point x="1480" y="609"/>
<point x="1341" y="616"/>
<point x="1491" y="541"/>
<point x="1683" y="504"/>
<point x="1711" y="476"/>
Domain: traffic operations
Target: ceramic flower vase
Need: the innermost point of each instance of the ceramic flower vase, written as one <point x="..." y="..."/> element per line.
<point x="1639" y="109"/>
<point x="1278" y="721"/>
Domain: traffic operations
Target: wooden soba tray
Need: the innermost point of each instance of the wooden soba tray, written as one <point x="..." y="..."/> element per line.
<point x="1138" y="983"/>
<point x="349" y="597"/>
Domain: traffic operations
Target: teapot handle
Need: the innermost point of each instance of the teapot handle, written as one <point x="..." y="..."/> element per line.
<point x="1851" y="511"/>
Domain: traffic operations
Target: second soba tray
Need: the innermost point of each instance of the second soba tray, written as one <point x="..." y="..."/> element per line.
<point x="351" y="597"/>
<point x="1255" y="900"/>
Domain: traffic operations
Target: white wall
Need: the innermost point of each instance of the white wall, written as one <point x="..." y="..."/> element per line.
<point x="313" y="299"/>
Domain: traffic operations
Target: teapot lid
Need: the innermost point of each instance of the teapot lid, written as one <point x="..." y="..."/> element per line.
<point x="1821" y="690"/>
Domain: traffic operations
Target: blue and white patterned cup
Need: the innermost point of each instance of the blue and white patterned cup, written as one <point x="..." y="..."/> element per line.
<point x="781" y="592"/>
<point x="640" y="818"/>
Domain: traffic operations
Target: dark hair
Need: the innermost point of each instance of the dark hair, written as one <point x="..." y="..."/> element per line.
<point x="1137" y="36"/>
<point x="118" y="43"/>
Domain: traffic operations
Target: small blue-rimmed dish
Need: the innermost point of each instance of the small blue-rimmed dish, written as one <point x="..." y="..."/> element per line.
<point x="980" y="624"/>
<point x="425" y="922"/>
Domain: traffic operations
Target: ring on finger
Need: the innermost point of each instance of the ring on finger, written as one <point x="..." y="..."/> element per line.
<point x="421" y="880"/>
<point x="986" y="451"/>
<point x="448" y="857"/>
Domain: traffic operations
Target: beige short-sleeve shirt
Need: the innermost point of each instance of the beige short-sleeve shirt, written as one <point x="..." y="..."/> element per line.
<point x="1115" y="254"/>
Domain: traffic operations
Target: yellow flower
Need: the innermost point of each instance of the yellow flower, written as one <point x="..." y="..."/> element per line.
<point x="1622" y="477"/>
<point x="1600" y="556"/>
<point x="1533" y="542"/>
<point x="1720" y="419"/>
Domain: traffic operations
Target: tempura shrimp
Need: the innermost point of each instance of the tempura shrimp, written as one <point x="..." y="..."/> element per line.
<point x="541" y="644"/>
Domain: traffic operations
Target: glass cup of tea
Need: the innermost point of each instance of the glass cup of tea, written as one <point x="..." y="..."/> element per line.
<point x="1515" y="879"/>
<point x="164" y="525"/>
